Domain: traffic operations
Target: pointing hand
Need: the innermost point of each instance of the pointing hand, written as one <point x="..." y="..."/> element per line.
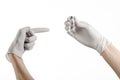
<point x="25" y="40"/>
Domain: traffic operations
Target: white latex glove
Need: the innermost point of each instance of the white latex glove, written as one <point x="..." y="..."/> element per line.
<point x="85" y="34"/>
<point x="25" y="40"/>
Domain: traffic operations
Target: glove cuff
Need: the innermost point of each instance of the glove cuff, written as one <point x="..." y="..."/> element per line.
<point x="102" y="44"/>
<point x="16" y="52"/>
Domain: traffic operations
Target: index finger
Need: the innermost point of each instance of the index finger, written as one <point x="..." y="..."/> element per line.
<point x="39" y="30"/>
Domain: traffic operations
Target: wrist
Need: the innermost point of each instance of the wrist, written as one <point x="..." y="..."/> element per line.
<point x="10" y="57"/>
<point x="14" y="52"/>
<point x="102" y="44"/>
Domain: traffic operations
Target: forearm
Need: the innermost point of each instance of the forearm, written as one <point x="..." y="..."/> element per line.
<point x="19" y="67"/>
<point x="112" y="56"/>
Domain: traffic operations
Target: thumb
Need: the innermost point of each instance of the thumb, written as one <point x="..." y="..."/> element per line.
<point x="80" y="24"/>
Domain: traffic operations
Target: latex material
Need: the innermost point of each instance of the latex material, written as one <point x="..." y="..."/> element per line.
<point x="25" y="40"/>
<point x="85" y="34"/>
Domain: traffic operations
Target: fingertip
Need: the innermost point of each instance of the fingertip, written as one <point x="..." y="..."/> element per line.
<point x="65" y="22"/>
<point x="66" y="28"/>
<point x="69" y="18"/>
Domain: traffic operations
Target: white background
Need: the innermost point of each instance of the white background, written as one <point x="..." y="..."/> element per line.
<point x="56" y="55"/>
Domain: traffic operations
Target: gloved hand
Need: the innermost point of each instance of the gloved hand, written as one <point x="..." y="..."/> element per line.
<point x="85" y="34"/>
<point x="25" y="40"/>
